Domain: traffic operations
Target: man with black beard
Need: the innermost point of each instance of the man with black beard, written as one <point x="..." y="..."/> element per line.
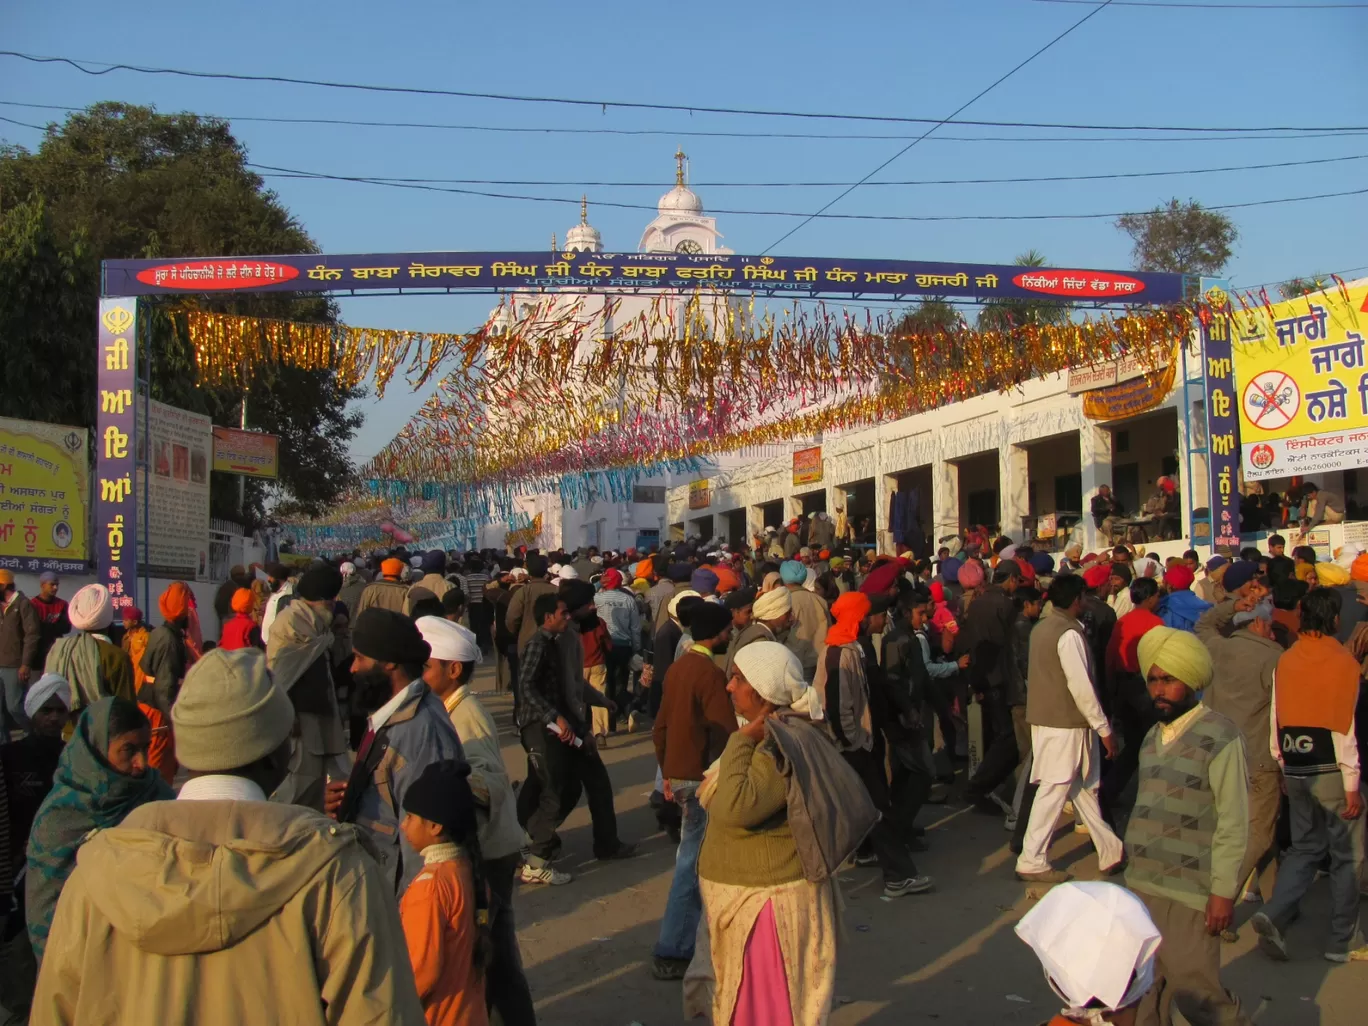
<point x="408" y="729"/>
<point x="553" y="697"/>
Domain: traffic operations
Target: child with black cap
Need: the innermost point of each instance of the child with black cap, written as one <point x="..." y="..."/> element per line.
<point x="445" y="911"/>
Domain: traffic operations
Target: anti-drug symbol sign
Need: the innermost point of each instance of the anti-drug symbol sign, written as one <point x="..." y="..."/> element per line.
<point x="1271" y="400"/>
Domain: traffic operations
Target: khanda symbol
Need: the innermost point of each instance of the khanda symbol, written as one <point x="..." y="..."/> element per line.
<point x="118" y="319"/>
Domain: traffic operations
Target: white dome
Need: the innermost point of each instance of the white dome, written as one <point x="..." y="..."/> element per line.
<point x="584" y="237"/>
<point x="680" y="200"/>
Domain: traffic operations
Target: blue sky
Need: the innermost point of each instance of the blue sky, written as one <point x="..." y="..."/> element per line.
<point x="1126" y="66"/>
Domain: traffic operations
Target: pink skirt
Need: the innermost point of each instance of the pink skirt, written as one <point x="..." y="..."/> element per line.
<point x="763" y="999"/>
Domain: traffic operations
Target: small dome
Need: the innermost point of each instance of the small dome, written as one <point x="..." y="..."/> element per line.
<point x="680" y="200"/>
<point x="584" y="237"/>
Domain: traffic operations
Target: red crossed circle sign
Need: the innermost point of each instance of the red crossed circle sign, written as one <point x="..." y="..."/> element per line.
<point x="1271" y="400"/>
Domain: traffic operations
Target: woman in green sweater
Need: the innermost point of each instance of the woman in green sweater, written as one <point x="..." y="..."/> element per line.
<point x="772" y="932"/>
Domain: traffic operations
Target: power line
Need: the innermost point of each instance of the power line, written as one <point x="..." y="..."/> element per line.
<point x="279" y="172"/>
<point x="1218" y="7"/>
<point x="912" y="182"/>
<point x="100" y="68"/>
<point x="701" y="134"/>
<point x="964" y="106"/>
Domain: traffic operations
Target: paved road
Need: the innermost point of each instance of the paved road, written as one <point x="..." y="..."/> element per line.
<point x="949" y="956"/>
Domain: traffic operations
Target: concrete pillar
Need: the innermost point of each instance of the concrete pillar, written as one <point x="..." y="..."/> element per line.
<point x="945" y="515"/>
<point x="1013" y="488"/>
<point x="884" y="487"/>
<point x="1095" y="466"/>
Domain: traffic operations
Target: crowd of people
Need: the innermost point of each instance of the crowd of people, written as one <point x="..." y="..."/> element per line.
<point x="805" y="700"/>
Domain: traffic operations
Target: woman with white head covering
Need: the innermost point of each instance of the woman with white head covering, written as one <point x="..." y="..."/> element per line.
<point x="94" y="666"/>
<point x="775" y="839"/>
<point x="1097" y="945"/>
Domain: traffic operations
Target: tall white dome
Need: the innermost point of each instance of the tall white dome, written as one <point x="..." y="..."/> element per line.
<point x="681" y="199"/>
<point x="584" y="237"/>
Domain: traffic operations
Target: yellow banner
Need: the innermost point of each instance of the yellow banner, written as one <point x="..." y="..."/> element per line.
<point x="43" y="493"/>
<point x="1301" y="382"/>
<point x="250" y="453"/>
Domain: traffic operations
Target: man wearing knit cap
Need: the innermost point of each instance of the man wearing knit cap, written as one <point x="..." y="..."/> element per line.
<point x="452" y="663"/>
<point x="696" y="718"/>
<point x="1186" y="836"/>
<point x="387" y="591"/>
<point x="299" y="656"/>
<point x="810" y="618"/>
<point x="222" y="887"/>
<point x="1064" y="714"/>
<point x="408" y="729"/>
<point x="93" y="666"/>
<point x="1311" y="732"/>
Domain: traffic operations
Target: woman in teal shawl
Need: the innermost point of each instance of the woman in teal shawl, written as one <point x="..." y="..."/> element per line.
<point x="102" y="776"/>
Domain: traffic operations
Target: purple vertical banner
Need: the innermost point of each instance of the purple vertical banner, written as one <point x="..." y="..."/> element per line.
<point x="1223" y="419"/>
<point x="116" y="508"/>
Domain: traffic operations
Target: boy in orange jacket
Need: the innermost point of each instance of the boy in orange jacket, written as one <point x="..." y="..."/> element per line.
<point x="445" y="910"/>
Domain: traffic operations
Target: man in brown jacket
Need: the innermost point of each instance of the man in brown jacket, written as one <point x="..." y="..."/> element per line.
<point x="695" y="720"/>
<point x="1241" y="689"/>
<point x="221" y="906"/>
<point x="519" y="619"/>
<point x="19" y="630"/>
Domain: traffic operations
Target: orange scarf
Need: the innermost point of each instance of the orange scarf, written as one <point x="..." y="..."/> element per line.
<point x="1317" y="685"/>
<point x="849" y="610"/>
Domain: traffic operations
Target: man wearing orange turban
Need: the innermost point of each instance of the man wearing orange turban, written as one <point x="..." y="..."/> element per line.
<point x="240" y="631"/>
<point x="167" y="656"/>
<point x="843" y="682"/>
<point x="389" y="592"/>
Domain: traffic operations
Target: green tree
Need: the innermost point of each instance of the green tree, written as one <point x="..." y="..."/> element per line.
<point x="1301" y="287"/>
<point x="1006" y="314"/>
<point x="118" y="181"/>
<point x="1181" y="238"/>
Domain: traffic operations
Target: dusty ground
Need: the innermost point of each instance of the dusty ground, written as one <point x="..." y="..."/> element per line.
<point x="949" y="956"/>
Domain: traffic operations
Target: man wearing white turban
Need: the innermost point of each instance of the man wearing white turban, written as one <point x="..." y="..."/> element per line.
<point x="94" y="667"/>
<point x="775" y="673"/>
<point x="770" y="618"/>
<point x="49" y="686"/>
<point x="455" y="654"/>
<point x="1192" y="798"/>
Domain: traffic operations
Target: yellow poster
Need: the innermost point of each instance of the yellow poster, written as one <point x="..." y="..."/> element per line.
<point x="1302" y="384"/>
<point x="43" y="490"/>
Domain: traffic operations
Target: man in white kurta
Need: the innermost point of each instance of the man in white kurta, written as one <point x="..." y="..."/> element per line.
<point x="1066" y="721"/>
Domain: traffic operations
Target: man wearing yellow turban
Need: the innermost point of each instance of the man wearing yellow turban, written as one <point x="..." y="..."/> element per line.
<point x="1186" y="838"/>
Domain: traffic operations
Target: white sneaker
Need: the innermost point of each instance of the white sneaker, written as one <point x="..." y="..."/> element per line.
<point x="544" y="875"/>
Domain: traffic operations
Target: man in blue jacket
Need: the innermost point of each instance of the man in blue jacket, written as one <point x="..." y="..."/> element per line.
<point x="1180" y="608"/>
<point x="409" y="729"/>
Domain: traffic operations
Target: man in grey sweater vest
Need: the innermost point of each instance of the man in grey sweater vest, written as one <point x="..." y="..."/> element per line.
<point x="1188" y="833"/>
<point x="1064" y="714"/>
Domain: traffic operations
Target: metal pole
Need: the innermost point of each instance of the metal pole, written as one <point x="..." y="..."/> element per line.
<point x="242" y="423"/>
<point x="1187" y="448"/>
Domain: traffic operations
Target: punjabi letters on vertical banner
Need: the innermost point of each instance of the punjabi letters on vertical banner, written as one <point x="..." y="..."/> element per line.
<point x="44" y="480"/>
<point x="1223" y="422"/>
<point x="1302" y="382"/>
<point x="116" y="507"/>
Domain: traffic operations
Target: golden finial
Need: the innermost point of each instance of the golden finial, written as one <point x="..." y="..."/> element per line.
<point x="584" y="209"/>
<point x="680" y="157"/>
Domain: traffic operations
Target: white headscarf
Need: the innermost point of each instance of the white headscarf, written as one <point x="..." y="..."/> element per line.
<point x="777" y="675"/>
<point x="811" y="583"/>
<point x="48" y="686"/>
<point x="772" y="604"/>
<point x="1095" y="941"/>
